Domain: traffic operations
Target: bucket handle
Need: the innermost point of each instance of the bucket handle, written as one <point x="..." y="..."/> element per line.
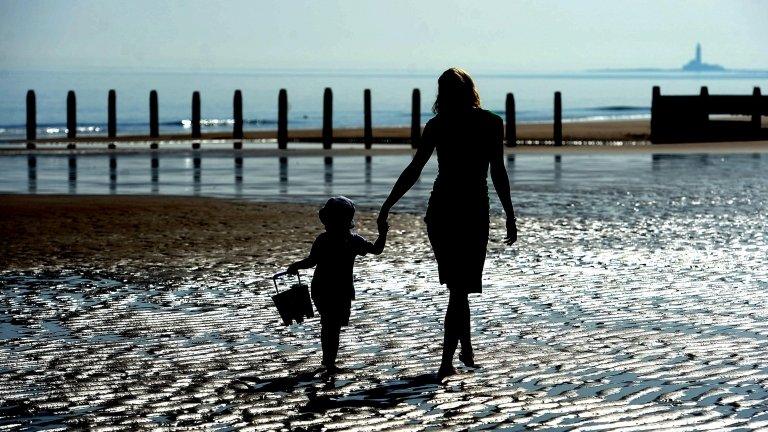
<point x="281" y="274"/>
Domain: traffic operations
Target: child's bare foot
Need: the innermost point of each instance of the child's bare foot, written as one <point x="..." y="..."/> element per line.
<point x="446" y="371"/>
<point x="333" y="369"/>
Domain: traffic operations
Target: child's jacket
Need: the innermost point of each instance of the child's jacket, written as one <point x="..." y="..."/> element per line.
<point x="335" y="258"/>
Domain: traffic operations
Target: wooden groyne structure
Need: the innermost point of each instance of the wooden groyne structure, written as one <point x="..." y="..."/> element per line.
<point x="704" y="117"/>
<point x="327" y="137"/>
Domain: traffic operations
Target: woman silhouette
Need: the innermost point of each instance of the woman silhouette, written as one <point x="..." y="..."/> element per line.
<point x="468" y="140"/>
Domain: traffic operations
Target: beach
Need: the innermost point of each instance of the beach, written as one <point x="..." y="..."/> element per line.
<point x="168" y="236"/>
<point x="161" y="167"/>
<point x="155" y="311"/>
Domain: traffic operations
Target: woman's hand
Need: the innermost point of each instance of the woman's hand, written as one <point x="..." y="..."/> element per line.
<point x="511" y="231"/>
<point x="383" y="227"/>
<point x="382" y="219"/>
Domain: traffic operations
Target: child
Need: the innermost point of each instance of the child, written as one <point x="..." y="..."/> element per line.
<point x="334" y="252"/>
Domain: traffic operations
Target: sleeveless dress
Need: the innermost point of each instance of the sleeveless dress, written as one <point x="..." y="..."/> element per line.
<point x="457" y="215"/>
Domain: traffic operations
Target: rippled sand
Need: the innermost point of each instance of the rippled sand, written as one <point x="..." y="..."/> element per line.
<point x="656" y="322"/>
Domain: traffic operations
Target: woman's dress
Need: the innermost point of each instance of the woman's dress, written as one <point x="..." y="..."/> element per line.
<point x="457" y="215"/>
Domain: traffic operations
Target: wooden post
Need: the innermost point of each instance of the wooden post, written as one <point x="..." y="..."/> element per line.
<point x="327" y="118"/>
<point x="71" y="115"/>
<point x="282" y="119"/>
<point x="415" y="118"/>
<point x="196" y="114"/>
<point x="154" y="124"/>
<point x="655" y="114"/>
<point x="112" y="114"/>
<point x="756" y="110"/>
<point x="511" y="127"/>
<point x="31" y="116"/>
<point x="237" y="131"/>
<point x="703" y="106"/>
<point x="558" y="132"/>
<point x="367" y="127"/>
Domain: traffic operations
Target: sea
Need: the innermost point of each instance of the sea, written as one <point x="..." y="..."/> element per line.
<point x="603" y="95"/>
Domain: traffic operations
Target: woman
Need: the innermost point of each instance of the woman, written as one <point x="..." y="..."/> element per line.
<point x="468" y="140"/>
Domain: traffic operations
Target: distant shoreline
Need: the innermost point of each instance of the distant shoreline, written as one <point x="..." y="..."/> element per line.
<point x="606" y="130"/>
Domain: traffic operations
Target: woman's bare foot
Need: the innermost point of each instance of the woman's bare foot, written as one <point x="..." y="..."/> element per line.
<point x="446" y="371"/>
<point x="468" y="359"/>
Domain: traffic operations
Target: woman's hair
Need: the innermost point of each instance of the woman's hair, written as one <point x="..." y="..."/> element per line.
<point x="338" y="213"/>
<point x="455" y="92"/>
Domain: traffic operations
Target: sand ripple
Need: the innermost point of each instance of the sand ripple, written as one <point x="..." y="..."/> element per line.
<point x="587" y="325"/>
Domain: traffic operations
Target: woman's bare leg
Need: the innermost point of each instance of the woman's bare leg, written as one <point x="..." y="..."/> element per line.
<point x="456" y="318"/>
<point x="465" y="337"/>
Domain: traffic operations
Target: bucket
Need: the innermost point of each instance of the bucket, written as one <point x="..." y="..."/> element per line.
<point x="293" y="304"/>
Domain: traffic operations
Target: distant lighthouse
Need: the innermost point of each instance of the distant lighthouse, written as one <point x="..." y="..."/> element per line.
<point x="696" y="65"/>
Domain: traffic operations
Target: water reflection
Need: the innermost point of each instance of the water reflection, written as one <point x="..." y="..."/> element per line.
<point x="196" y="173"/>
<point x="32" y="173"/>
<point x="238" y="175"/>
<point x="328" y="174"/>
<point x="368" y="172"/>
<point x="112" y="174"/>
<point x="511" y="167"/>
<point x="72" y="174"/>
<point x="316" y="177"/>
<point x="155" y="173"/>
<point x="283" y="174"/>
<point x="328" y="169"/>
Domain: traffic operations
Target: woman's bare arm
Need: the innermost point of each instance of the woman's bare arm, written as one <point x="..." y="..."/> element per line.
<point x="501" y="181"/>
<point x="408" y="177"/>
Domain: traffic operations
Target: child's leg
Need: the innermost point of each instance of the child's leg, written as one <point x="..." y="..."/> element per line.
<point x="330" y="331"/>
<point x="333" y="342"/>
<point x="325" y="339"/>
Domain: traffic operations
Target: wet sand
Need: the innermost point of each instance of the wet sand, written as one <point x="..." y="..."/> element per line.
<point x="657" y="322"/>
<point x="155" y="235"/>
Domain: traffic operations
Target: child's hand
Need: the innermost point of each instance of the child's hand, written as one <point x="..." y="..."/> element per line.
<point x="292" y="269"/>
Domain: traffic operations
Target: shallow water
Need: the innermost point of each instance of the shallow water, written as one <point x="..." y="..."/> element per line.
<point x="595" y="185"/>
<point x="634" y="300"/>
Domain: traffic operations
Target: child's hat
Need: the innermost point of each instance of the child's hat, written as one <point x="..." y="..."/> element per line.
<point x="338" y="209"/>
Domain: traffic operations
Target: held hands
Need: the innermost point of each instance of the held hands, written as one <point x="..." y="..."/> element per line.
<point x="511" y="231"/>
<point x="382" y="219"/>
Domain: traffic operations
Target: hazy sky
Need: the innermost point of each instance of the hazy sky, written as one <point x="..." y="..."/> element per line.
<point x="494" y="35"/>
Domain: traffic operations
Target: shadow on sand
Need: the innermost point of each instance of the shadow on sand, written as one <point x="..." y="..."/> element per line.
<point x="384" y="394"/>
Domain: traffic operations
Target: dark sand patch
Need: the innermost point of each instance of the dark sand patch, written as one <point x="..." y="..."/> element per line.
<point x="160" y="235"/>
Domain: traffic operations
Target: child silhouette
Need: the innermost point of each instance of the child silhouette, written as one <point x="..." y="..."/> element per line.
<point x="334" y="252"/>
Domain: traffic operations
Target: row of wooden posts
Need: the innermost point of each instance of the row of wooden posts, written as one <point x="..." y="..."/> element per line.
<point x="282" y="118"/>
<point x="686" y="118"/>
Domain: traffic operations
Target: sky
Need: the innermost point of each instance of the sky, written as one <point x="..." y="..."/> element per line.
<point x="426" y="35"/>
